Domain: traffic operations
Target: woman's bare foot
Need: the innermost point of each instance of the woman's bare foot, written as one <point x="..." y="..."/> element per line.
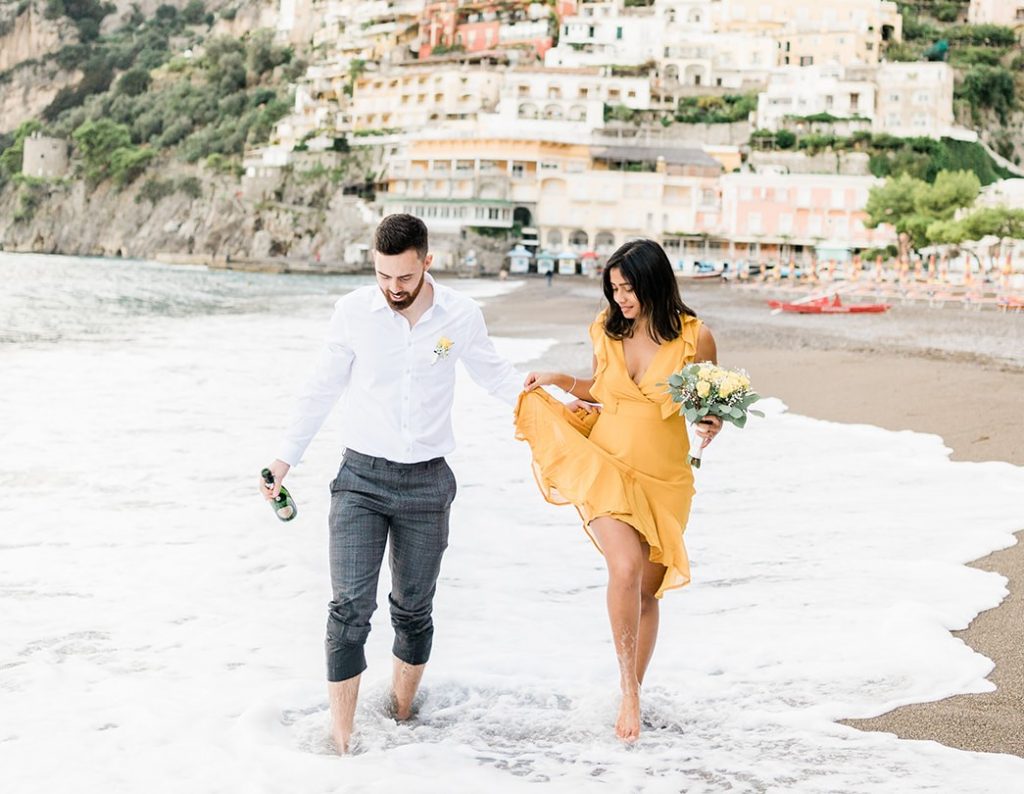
<point x="627" y="727"/>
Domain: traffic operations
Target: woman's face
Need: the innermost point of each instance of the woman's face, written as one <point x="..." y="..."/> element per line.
<point x="622" y="293"/>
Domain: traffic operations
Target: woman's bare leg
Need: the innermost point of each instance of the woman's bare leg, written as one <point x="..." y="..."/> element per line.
<point x="647" y="636"/>
<point x="623" y="553"/>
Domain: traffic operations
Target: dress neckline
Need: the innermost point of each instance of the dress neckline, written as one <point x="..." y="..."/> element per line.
<point x="650" y="364"/>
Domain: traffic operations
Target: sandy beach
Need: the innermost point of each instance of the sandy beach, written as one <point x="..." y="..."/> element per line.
<point x="909" y="369"/>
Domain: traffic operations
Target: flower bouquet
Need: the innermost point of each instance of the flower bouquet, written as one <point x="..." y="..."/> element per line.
<point x="706" y="389"/>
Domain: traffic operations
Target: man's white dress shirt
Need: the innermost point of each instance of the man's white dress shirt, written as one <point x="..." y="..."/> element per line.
<point x="397" y="393"/>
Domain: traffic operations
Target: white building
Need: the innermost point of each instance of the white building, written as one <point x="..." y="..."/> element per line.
<point x="605" y="32"/>
<point x="914" y="99"/>
<point x="996" y="12"/>
<point x="805" y="91"/>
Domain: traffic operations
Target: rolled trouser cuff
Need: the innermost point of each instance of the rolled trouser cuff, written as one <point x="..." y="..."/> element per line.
<point x="344" y="646"/>
<point x="344" y="660"/>
<point x="413" y="649"/>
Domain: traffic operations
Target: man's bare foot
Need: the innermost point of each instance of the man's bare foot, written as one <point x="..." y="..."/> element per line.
<point x="627" y="727"/>
<point x="342" y="697"/>
<point x="341" y="741"/>
<point x="405" y="682"/>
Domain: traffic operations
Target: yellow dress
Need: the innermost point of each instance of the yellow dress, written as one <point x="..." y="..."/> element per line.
<point x="628" y="462"/>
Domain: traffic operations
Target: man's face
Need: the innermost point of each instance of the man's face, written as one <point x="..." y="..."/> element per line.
<point x="400" y="276"/>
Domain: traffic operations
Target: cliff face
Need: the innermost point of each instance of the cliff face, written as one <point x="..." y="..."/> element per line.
<point x="313" y="222"/>
<point x="32" y="36"/>
<point x="28" y="90"/>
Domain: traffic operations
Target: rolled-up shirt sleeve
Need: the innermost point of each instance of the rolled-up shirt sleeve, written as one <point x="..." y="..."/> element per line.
<point x="325" y="385"/>
<point x="486" y="367"/>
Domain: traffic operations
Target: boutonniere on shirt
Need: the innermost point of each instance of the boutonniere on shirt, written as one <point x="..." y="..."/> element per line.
<point x="442" y="349"/>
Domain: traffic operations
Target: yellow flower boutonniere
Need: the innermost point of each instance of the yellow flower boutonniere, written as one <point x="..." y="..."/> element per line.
<point x="442" y="349"/>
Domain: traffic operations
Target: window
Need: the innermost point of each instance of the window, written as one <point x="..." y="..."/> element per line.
<point x="894" y="97"/>
<point x="754" y="222"/>
<point x="854" y="102"/>
<point x="803" y="197"/>
<point x="806" y="60"/>
<point x="590" y="31"/>
<point x="493" y="213"/>
<point x="746" y="194"/>
<point x="838" y="197"/>
<point x="618" y="34"/>
<point x="786" y="223"/>
<point x="922" y="97"/>
<point x="518" y="170"/>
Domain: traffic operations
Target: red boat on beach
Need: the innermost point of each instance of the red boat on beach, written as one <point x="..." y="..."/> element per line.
<point x="828" y="305"/>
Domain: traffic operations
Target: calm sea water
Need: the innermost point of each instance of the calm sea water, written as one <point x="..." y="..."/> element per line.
<point x="49" y="299"/>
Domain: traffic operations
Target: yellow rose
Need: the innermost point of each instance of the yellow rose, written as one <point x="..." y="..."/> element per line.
<point x="726" y="388"/>
<point x="703" y="388"/>
<point x="704" y="373"/>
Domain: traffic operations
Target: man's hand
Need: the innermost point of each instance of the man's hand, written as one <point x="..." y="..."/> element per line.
<point x="279" y="469"/>
<point x="708" y="428"/>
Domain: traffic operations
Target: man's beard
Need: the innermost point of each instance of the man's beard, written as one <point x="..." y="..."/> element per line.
<point x="407" y="301"/>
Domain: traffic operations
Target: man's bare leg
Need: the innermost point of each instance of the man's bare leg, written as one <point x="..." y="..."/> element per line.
<point x="405" y="681"/>
<point x="342" y="696"/>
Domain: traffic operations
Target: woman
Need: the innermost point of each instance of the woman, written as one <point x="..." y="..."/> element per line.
<point x="624" y="466"/>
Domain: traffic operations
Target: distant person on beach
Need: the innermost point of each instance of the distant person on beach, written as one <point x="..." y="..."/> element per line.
<point x="623" y="464"/>
<point x="391" y="351"/>
<point x="550" y="276"/>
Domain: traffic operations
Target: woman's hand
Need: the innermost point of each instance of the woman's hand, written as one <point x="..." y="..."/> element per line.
<point x="583" y="405"/>
<point x="708" y="428"/>
<point x="535" y="379"/>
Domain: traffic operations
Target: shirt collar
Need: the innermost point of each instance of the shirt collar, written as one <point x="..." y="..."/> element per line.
<point x="442" y="296"/>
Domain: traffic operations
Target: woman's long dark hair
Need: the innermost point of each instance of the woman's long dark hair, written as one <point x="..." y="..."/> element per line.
<point x="645" y="266"/>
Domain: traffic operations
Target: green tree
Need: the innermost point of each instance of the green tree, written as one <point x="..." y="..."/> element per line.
<point x="97" y="141"/>
<point x="134" y="82"/>
<point x="950" y="191"/>
<point x="11" y="157"/>
<point x="194" y="12"/>
<point x="911" y="205"/>
<point x="989" y="87"/>
<point x="128" y="162"/>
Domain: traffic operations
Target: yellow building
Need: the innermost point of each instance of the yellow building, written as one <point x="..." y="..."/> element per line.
<point x="581" y="198"/>
<point x="811" y="32"/>
<point x="414" y="97"/>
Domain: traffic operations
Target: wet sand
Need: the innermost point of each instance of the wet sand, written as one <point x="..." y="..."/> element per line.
<point x="909" y="369"/>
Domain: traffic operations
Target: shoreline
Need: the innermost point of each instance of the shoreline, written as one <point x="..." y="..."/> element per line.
<point x="890" y="374"/>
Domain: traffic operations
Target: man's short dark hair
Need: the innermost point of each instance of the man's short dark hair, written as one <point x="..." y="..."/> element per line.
<point x="397" y="233"/>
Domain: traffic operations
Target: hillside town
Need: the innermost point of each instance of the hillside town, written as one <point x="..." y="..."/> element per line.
<point x="530" y="135"/>
<point x="559" y="123"/>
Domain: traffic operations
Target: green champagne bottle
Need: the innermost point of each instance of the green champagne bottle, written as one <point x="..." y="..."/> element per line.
<point x="283" y="504"/>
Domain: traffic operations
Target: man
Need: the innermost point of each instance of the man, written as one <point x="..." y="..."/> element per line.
<point x="391" y="350"/>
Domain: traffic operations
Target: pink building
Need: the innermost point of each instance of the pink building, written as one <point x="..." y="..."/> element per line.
<point x="764" y="216"/>
<point x="483" y="25"/>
